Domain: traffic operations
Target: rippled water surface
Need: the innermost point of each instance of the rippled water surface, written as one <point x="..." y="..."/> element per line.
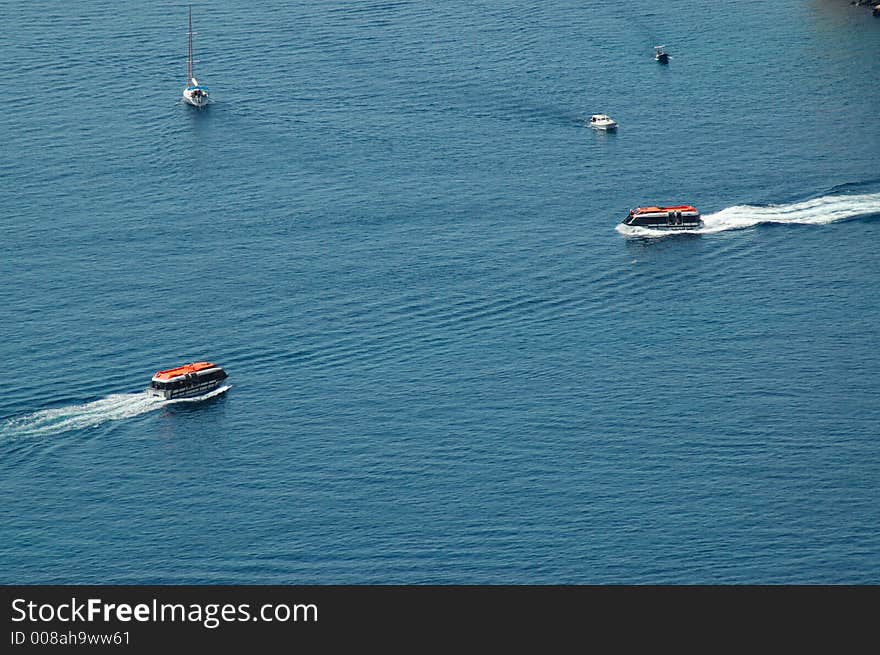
<point x="448" y="362"/>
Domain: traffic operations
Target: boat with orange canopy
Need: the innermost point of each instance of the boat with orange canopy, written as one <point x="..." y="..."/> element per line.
<point x="187" y="381"/>
<point x="678" y="217"/>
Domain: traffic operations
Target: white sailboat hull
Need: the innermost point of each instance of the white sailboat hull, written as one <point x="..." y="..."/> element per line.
<point x="195" y="99"/>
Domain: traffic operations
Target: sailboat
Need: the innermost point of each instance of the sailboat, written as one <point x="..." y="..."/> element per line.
<point x="193" y="93"/>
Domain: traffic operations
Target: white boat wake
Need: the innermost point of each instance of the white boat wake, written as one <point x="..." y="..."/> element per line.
<point x="115" y="407"/>
<point x="816" y="211"/>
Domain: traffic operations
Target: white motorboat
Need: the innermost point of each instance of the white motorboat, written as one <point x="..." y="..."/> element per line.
<point x="602" y="122"/>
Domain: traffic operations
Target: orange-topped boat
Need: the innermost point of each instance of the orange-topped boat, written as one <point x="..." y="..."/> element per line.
<point x="678" y="217"/>
<point x="187" y="381"/>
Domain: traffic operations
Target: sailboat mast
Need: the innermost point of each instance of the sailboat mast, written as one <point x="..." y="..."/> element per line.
<point x="189" y="54"/>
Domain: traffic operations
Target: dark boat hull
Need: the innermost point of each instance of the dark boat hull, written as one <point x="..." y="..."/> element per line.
<point x="192" y="391"/>
<point x="191" y="385"/>
<point x="674" y="219"/>
<point x="665" y="224"/>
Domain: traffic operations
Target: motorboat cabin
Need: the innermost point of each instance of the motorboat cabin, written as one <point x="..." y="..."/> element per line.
<point x="187" y="381"/>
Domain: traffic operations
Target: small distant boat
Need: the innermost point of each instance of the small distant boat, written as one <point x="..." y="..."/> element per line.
<point x="660" y="54"/>
<point x="193" y="93"/>
<point x="679" y="217"/>
<point x="602" y="122"/>
<point x="187" y="381"/>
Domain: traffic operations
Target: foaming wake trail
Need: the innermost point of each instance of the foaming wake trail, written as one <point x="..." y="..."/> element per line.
<point x="115" y="407"/>
<point x="74" y="417"/>
<point x="816" y="211"/>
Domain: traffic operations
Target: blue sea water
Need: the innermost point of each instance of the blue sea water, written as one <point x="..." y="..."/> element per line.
<point x="448" y="364"/>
